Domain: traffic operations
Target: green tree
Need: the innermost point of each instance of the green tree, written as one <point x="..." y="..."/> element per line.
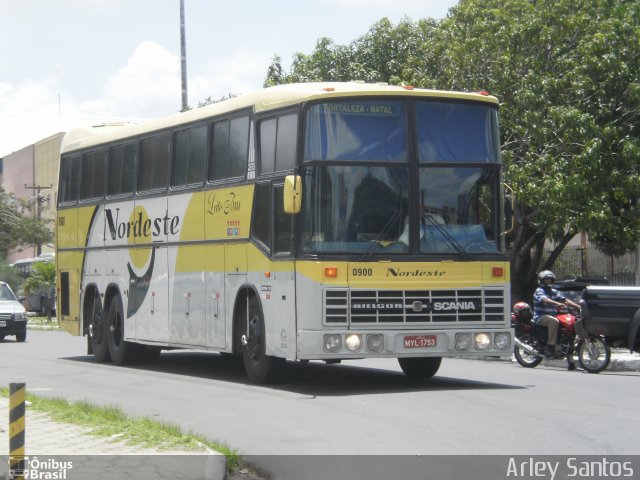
<point x="567" y="75"/>
<point x="17" y="228"/>
<point x="11" y="276"/>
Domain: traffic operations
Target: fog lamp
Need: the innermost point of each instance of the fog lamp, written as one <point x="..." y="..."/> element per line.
<point x="482" y="341"/>
<point x="353" y="342"/>
<point x="332" y="343"/>
<point x="502" y="341"/>
<point x="463" y="341"/>
<point x="375" y="343"/>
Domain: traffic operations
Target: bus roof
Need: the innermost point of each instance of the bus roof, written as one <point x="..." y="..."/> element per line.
<point x="260" y="101"/>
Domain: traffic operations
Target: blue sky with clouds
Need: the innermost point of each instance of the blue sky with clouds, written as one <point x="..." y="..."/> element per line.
<point x="66" y="63"/>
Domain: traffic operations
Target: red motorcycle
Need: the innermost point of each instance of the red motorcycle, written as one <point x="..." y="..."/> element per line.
<point x="592" y="351"/>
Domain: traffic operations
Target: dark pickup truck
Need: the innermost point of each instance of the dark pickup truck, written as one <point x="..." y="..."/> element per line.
<point x="613" y="312"/>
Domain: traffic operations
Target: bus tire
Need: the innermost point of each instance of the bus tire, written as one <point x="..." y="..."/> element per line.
<point x="121" y="352"/>
<point x="422" y="367"/>
<point x="260" y="367"/>
<point x="98" y="333"/>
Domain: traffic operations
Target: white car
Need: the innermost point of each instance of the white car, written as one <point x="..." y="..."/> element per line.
<point x="13" y="316"/>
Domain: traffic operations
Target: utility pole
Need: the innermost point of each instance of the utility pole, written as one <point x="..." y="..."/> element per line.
<point x="183" y="59"/>
<point x="39" y="199"/>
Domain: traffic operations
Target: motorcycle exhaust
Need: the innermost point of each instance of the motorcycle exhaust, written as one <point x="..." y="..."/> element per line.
<point x="528" y="348"/>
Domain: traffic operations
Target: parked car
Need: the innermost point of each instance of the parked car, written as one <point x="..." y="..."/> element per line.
<point x="573" y="288"/>
<point x="13" y="316"/>
<point x="615" y="313"/>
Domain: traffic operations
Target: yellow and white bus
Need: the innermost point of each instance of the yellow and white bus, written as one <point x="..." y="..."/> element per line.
<point x="319" y="221"/>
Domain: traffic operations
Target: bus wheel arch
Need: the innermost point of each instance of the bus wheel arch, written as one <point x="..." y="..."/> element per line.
<point x="94" y="324"/>
<point x="249" y="339"/>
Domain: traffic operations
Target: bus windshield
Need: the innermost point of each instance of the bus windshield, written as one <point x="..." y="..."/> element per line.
<point x="360" y="196"/>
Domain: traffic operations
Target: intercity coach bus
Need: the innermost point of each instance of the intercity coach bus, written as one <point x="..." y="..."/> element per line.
<point x="319" y="221"/>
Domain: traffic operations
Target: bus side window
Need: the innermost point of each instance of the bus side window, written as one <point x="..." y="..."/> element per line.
<point x="70" y="179"/>
<point x="278" y="137"/>
<point x="94" y="167"/>
<point x="229" y="149"/>
<point x="154" y="163"/>
<point x="282" y="223"/>
<point x="122" y="164"/>
<point x="261" y="225"/>
<point x="189" y="153"/>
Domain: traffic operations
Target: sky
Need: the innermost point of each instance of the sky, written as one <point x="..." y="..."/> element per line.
<point x="73" y="63"/>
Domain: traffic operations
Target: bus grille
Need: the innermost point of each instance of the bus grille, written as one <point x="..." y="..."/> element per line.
<point x="375" y="307"/>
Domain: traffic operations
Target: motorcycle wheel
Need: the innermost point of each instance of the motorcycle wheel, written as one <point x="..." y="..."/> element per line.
<point x="522" y="357"/>
<point x="594" y="354"/>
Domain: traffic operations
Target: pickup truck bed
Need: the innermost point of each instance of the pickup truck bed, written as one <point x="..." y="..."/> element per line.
<point x="613" y="312"/>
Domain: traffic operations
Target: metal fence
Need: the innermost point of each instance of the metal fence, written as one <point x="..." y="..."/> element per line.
<point x="576" y="262"/>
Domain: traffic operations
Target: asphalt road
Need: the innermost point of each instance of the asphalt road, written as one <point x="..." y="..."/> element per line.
<point x="365" y="407"/>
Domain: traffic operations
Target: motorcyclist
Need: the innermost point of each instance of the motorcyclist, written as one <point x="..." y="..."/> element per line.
<point x="546" y="301"/>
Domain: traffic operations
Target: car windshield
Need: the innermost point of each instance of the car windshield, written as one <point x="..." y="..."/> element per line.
<point x="6" y="293"/>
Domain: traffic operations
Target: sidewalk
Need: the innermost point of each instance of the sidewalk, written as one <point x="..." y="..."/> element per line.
<point x="621" y="361"/>
<point x="50" y="444"/>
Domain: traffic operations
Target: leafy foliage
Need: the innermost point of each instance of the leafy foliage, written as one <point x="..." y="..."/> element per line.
<point x="17" y="228"/>
<point x="567" y="75"/>
<point x="42" y="277"/>
<point x="11" y="276"/>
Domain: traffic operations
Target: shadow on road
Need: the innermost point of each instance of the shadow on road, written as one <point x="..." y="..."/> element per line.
<point x="312" y="379"/>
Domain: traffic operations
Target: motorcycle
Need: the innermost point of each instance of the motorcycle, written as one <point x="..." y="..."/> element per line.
<point x="530" y="348"/>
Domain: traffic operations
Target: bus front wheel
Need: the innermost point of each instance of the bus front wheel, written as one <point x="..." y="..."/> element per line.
<point x="425" y="367"/>
<point x="260" y="367"/>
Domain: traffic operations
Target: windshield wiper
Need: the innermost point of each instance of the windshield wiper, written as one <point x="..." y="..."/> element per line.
<point x="452" y="241"/>
<point x="376" y="243"/>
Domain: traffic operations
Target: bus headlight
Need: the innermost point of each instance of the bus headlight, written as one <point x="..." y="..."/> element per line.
<point x="502" y="341"/>
<point x="353" y="342"/>
<point x="463" y="341"/>
<point x="482" y="341"/>
<point x="375" y="343"/>
<point x="332" y="343"/>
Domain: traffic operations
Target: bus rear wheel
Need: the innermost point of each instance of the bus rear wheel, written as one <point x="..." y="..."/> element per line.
<point x="121" y="352"/>
<point x="424" y="367"/>
<point x="260" y="367"/>
<point x="98" y="333"/>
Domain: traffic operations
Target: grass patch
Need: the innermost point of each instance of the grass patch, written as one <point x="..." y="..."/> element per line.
<point x="112" y="422"/>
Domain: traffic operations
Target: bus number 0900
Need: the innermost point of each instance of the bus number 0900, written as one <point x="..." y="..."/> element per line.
<point x="362" y="272"/>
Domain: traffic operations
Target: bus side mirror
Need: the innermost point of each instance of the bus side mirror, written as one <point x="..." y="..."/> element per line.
<point x="292" y="194"/>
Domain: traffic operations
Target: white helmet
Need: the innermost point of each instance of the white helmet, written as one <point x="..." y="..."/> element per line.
<point x="545" y="274"/>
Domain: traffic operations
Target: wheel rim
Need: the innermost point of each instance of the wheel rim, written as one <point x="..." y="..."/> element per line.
<point x="593" y="353"/>
<point x="524" y="355"/>
<point x="254" y="342"/>
<point x="97" y="332"/>
<point x="116" y="329"/>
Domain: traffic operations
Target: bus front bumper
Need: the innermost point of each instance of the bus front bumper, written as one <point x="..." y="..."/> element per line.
<point x="345" y="344"/>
